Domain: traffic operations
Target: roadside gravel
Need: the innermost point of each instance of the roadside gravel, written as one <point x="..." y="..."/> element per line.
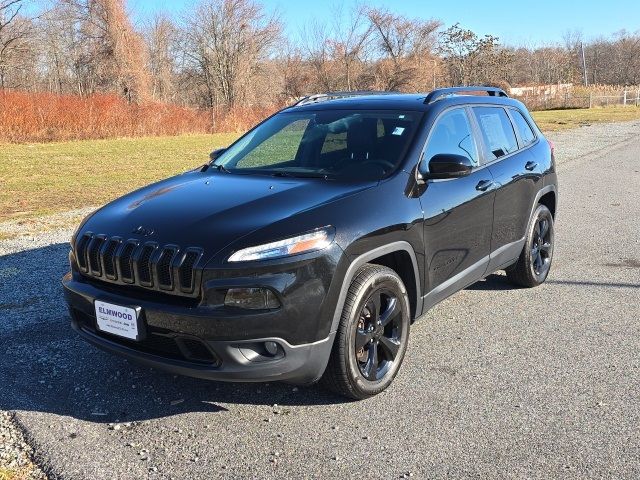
<point x="16" y="453"/>
<point x="572" y="145"/>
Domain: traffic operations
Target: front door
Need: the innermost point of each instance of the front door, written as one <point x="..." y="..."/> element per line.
<point x="458" y="213"/>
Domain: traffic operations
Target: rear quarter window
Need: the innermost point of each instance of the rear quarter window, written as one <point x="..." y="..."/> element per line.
<point x="524" y="129"/>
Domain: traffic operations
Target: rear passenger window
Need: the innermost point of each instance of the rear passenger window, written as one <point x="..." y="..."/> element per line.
<point x="497" y="131"/>
<point x="524" y="129"/>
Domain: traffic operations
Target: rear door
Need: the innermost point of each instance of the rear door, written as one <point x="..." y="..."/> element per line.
<point x="515" y="174"/>
<point x="458" y="213"/>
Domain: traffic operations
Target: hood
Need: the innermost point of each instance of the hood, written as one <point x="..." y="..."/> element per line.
<point x="212" y="209"/>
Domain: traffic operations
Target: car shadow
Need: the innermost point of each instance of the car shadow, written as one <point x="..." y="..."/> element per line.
<point x="495" y="282"/>
<point x="46" y="367"/>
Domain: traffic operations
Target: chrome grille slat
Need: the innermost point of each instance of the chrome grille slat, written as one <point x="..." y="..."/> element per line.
<point x="143" y="265"/>
<point x="186" y="270"/>
<point x="163" y="267"/>
<point x="81" y="251"/>
<point x="166" y="268"/>
<point x="93" y="254"/>
<point x="125" y="261"/>
<point x="109" y="259"/>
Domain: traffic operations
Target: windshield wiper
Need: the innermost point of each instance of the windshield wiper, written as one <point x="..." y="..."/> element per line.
<point x="222" y="168"/>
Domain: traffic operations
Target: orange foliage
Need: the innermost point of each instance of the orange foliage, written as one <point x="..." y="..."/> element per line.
<point x="42" y="117"/>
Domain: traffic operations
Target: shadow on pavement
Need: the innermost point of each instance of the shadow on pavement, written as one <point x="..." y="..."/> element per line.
<point x="493" y="282"/>
<point x="44" y="366"/>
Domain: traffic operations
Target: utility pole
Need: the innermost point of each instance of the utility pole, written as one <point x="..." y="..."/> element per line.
<point x="434" y="73"/>
<point x="584" y="66"/>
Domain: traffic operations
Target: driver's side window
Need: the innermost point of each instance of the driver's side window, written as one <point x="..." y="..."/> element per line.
<point x="451" y="134"/>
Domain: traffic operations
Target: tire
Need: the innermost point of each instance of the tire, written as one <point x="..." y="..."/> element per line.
<point x="534" y="263"/>
<point x="376" y="315"/>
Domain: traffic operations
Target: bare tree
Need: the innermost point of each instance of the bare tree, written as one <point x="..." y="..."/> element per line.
<point x="351" y="37"/>
<point x="14" y="33"/>
<point x="318" y="54"/>
<point x="226" y="41"/>
<point x="472" y="59"/>
<point x="161" y="35"/>
<point x="92" y="44"/>
<point x="406" y="48"/>
<point x="295" y="72"/>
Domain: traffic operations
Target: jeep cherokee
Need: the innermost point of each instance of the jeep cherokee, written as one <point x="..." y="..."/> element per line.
<point x="306" y="249"/>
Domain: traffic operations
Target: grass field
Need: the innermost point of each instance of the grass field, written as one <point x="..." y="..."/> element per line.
<point x="45" y="178"/>
<point x="41" y="179"/>
<point x="554" y="120"/>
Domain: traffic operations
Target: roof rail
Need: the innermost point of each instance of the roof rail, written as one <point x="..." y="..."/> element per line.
<point x="321" y="97"/>
<point x="445" y="92"/>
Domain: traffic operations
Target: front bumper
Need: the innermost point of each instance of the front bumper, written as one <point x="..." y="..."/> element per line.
<point x="195" y="341"/>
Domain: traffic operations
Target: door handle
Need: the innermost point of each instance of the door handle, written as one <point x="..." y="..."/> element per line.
<point x="531" y="165"/>
<point x="484" y="185"/>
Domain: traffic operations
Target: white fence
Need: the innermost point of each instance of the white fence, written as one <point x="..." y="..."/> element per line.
<point x="566" y="99"/>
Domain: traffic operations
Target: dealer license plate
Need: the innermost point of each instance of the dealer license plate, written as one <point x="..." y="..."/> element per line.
<point x="117" y="320"/>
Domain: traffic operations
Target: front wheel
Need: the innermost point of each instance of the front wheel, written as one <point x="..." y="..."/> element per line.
<point x="534" y="263"/>
<point x="372" y="336"/>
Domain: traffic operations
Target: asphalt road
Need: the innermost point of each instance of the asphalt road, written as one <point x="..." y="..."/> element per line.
<point x="497" y="383"/>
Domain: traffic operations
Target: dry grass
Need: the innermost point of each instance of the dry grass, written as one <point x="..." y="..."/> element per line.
<point x="554" y="120"/>
<point x="26" y="472"/>
<point x="47" y="178"/>
<point x="6" y="474"/>
<point x="44" y="117"/>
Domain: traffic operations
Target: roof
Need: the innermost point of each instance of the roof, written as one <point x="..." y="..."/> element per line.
<point x="401" y="101"/>
<point x="405" y="101"/>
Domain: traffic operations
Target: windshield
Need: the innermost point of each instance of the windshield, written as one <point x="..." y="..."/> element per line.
<point x="336" y="144"/>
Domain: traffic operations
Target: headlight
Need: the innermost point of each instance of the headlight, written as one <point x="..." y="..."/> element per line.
<point x="316" y="240"/>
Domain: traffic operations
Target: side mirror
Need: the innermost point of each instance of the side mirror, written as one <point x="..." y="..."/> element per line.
<point x="448" y="165"/>
<point x="216" y="153"/>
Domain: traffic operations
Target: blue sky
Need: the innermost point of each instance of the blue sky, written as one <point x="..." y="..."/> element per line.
<point x="543" y="21"/>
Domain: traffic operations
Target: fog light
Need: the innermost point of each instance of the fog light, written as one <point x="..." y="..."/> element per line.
<point x="251" y="298"/>
<point x="271" y="348"/>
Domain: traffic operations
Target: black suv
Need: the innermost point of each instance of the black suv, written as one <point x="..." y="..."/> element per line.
<point x="306" y="249"/>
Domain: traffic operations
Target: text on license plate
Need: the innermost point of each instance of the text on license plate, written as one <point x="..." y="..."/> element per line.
<point x="122" y="321"/>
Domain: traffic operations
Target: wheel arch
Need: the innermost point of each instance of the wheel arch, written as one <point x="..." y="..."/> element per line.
<point x="400" y="257"/>
<point x="547" y="196"/>
<point x="549" y="200"/>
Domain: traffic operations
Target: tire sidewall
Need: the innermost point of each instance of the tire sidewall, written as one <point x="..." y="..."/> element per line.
<point x="385" y="281"/>
<point x="540" y="211"/>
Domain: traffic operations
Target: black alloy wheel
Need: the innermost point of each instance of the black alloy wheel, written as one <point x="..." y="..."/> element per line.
<point x="541" y="246"/>
<point x="378" y="334"/>
<point x="372" y="336"/>
<point x="532" y="268"/>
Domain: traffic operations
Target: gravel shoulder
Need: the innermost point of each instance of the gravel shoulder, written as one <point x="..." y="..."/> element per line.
<point x="498" y="382"/>
<point x="15" y="453"/>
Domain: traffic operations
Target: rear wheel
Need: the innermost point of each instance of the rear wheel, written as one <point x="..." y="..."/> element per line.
<point x="534" y="263"/>
<point x="372" y="336"/>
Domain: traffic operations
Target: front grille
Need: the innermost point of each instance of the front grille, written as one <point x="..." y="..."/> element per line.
<point x="167" y="268"/>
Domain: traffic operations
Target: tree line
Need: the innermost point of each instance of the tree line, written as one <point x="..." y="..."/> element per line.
<point x="229" y="53"/>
